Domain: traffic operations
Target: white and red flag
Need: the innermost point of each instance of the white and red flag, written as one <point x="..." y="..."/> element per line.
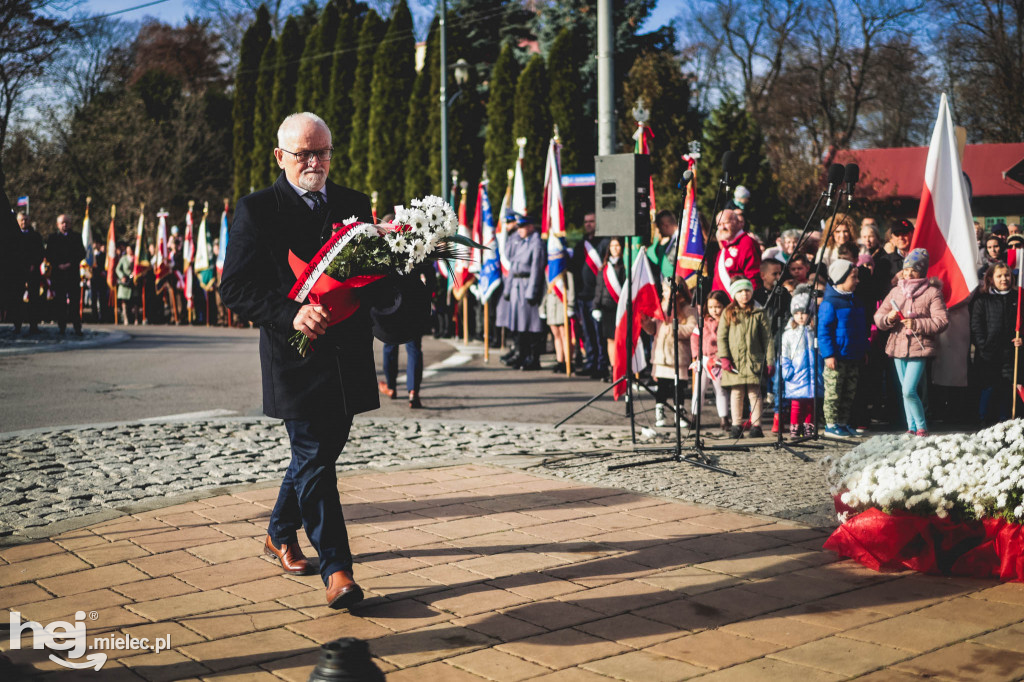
<point x="137" y="265"/>
<point x="110" y="264"/>
<point x="160" y="264"/>
<point x="189" y="250"/>
<point x="945" y="226"/>
<point x="552" y="219"/>
<point x="462" y="267"/>
<point x="519" y="183"/>
<point x="501" y="235"/>
<point x="646" y="302"/>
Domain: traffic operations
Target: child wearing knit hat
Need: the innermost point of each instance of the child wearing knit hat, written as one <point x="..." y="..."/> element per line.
<point x="744" y="346"/>
<point x="802" y="380"/>
<point x="843" y="340"/>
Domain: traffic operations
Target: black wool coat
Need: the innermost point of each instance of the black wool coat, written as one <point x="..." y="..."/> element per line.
<point x="338" y="375"/>
<point x="993" y="320"/>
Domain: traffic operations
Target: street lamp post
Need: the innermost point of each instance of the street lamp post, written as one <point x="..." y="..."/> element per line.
<point x="461" y="74"/>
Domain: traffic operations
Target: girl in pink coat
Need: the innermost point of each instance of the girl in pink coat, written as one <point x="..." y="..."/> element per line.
<point x="916" y="313"/>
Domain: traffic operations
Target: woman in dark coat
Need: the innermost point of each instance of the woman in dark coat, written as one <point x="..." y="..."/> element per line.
<point x="993" y="322"/>
<point x="606" y="294"/>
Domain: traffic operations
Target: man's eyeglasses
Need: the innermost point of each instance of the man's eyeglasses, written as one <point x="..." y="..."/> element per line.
<point x="322" y="155"/>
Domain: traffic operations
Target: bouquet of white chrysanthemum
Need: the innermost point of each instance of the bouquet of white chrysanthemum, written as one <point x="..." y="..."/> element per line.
<point x="359" y="253"/>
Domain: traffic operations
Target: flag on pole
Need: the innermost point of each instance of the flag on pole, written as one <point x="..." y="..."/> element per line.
<point x="160" y="265"/>
<point x="87" y="236"/>
<point x="553" y="219"/>
<point x="111" y="251"/>
<point x="691" y="251"/>
<point x="945" y="226"/>
<point x="189" y="250"/>
<point x="477" y="255"/>
<point x="642" y="138"/>
<point x="646" y="301"/>
<point x="490" y="269"/>
<point x="137" y="265"/>
<point x="462" y="271"/>
<point x="519" y="184"/>
<point x="502" y="235"/>
<point x="23" y="204"/>
<point x="223" y="246"/>
<point x="593" y="258"/>
<point x="1016" y="350"/>
<point x="202" y="261"/>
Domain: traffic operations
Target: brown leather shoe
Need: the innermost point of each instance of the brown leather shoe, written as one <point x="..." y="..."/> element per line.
<point x="342" y="590"/>
<point x="382" y="386"/>
<point x="291" y="557"/>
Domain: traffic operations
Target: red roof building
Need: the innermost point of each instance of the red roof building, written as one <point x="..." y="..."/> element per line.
<point x="895" y="176"/>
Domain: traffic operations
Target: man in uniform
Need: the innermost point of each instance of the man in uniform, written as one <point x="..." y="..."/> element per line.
<point x="29" y="255"/>
<point x="316" y="395"/>
<point x="65" y="252"/>
<point x="527" y="283"/>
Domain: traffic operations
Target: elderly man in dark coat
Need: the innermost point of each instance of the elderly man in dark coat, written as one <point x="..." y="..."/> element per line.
<point x="527" y="284"/>
<point x="316" y="395"/>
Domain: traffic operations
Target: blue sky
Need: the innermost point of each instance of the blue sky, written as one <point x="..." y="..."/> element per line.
<point x="174" y="11"/>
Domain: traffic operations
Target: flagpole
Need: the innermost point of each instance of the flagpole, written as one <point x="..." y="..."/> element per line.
<point x="1016" y="348"/>
<point x="113" y="291"/>
<point x="487" y="329"/>
<point x="81" y="287"/>
<point x="565" y="325"/>
<point x="138" y="256"/>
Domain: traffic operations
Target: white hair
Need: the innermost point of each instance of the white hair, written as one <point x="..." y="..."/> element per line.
<point x="292" y="119"/>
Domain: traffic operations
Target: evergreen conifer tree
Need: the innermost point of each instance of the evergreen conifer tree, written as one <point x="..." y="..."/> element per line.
<point x="264" y="125"/>
<point x="418" y="179"/>
<point x="730" y="127"/>
<point x="576" y="132"/>
<point x="533" y="121"/>
<point x="254" y="41"/>
<point x="393" y="73"/>
<point x="324" y="59"/>
<point x="338" y="108"/>
<point x="286" y="74"/>
<point x="309" y="75"/>
<point x="465" y="142"/>
<point x="370" y="33"/>
<point x="500" y="145"/>
<point x="658" y="78"/>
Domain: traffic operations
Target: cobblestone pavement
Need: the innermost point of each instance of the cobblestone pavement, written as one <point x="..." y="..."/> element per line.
<point x="49" y="476"/>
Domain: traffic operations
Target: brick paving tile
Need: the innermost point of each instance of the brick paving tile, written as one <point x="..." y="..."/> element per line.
<point x="263" y="589"/>
<point x="80" y="540"/>
<point x="982" y="612"/>
<point x="497" y="665"/>
<point x="24" y="593"/>
<point x="187" y="605"/>
<point x="92" y="579"/>
<point x="890" y="675"/>
<point x="562" y="648"/>
<point x="794" y="588"/>
<point x="440" y="553"/>
<point x="846" y="571"/>
<point x="111" y="552"/>
<point x="245" y="511"/>
<point x="31" y="550"/>
<point x="719" y="545"/>
<point x="967" y="661"/>
<point x="402" y="585"/>
<point x="714" y="649"/>
<point x="294" y="668"/>
<point x="832" y="612"/>
<point x="675" y="531"/>
<point x="248" y="649"/>
<point x="464" y="528"/>
<point x="403" y="538"/>
<point x="112" y="618"/>
<point x="689" y="580"/>
<point x="342" y="624"/>
<point x="841" y="655"/>
<point x="770" y="670"/>
<point x="501" y="565"/>
<point x="178" y="539"/>
<point x="672" y="511"/>
<point x="501" y="541"/>
<point x="536" y="585"/>
<point x="402" y="615"/>
<point x="220" y="552"/>
<point x="643" y="666"/>
<point x="915" y="632"/>
<point x="615" y="521"/>
<point x="241" y="529"/>
<point x="472" y="599"/>
<point x="905" y="594"/>
<point x="165" y="666"/>
<point x="218" y="501"/>
<point x="629" y="540"/>
<point x="687" y="614"/>
<point x="553" y="615"/>
<point x="179" y="635"/>
<point x="556" y="513"/>
<point x="572" y="675"/>
<point x="562" y="530"/>
<point x="780" y="630"/>
<point x="1011" y="638"/>
<point x="434" y="672"/>
<point x="61" y="608"/>
<point x="448" y="575"/>
<point x="230" y="573"/>
<point x="243" y="675"/>
<point x="730" y="521"/>
<point x="759" y="565"/>
<point x="39" y="568"/>
<point x="388" y="562"/>
<point x="739" y="603"/>
<point x="1009" y="593"/>
<point x="386" y="522"/>
<point x="167" y="563"/>
<point x="619" y="597"/>
<point x="184" y="519"/>
<point x="130" y="527"/>
<point x="499" y="626"/>
<point x="241" y="619"/>
<point x="431" y="643"/>
<point x="601" y="571"/>
<point x="154" y="588"/>
<point x="633" y="631"/>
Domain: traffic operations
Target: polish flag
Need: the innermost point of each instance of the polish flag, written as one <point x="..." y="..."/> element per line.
<point x="646" y="302"/>
<point x="111" y="263"/>
<point x="945" y="226"/>
<point x="189" y="249"/>
<point x="160" y="258"/>
<point x="593" y="257"/>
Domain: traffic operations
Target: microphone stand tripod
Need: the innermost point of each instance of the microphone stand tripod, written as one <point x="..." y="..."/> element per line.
<point x="699" y="455"/>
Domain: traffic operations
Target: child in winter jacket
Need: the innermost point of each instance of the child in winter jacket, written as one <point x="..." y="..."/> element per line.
<point x="717" y="301"/>
<point x="666" y="346"/>
<point x="744" y="345"/>
<point x="843" y="340"/>
<point x="993" y="318"/>
<point x="802" y="381"/>
<point x="916" y="312"/>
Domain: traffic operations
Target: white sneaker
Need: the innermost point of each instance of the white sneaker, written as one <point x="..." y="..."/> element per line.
<point x="659" y="414"/>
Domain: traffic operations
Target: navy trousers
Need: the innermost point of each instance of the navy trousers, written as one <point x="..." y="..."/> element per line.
<point x="593" y="344"/>
<point x="309" y="495"/>
<point x="413" y="364"/>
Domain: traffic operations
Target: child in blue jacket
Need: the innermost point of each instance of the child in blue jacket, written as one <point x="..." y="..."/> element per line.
<point x="843" y="340"/>
<point x="797" y="362"/>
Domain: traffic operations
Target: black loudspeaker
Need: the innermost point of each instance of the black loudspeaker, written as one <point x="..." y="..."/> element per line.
<point x="622" y="198"/>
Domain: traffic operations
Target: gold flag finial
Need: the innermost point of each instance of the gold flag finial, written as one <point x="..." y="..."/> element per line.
<point x="191" y="203"/>
<point x="206" y="207"/>
<point x="113" y="211"/>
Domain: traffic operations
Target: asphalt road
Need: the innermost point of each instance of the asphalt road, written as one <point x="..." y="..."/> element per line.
<point x="167" y="371"/>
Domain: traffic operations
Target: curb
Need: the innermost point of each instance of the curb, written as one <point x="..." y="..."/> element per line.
<point x="103" y="339"/>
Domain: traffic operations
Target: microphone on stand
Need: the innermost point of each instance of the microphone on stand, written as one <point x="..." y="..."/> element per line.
<point x="851" y="177"/>
<point x="730" y="164"/>
<point x="687" y="177"/>
<point x="836" y="173"/>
